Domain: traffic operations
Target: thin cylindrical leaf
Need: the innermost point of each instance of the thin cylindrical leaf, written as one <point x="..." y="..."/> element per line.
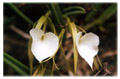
<point x="92" y="14"/>
<point x="16" y="65"/>
<point x="57" y="14"/>
<point x="108" y="13"/>
<point x="74" y="8"/>
<point x="74" y="13"/>
<point x="104" y="16"/>
<point x="20" y="13"/>
<point x="54" y="13"/>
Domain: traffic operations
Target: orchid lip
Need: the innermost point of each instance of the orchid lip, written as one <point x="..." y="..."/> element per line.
<point x="87" y="46"/>
<point x="44" y="45"/>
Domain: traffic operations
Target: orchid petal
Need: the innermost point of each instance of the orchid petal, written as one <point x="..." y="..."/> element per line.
<point x="43" y="45"/>
<point x="36" y="34"/>
<point x="87" y="46"/>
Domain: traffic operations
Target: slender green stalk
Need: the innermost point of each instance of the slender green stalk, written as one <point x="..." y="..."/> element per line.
<point x="55" y="63"/>
<point x="20" y="13"/>
<point x="52" y="26"/>
<point x="16" y="65"/>
<point x="96" y="64"/>
<point x="81" y="29"/>
<point x="68" y="65"/>
<point x="99" y="61"/>
<point x="30" y="56"/>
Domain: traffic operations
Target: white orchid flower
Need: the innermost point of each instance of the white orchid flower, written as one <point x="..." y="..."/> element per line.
<point x="87" y="46"/>
<point x="44" y="45"/>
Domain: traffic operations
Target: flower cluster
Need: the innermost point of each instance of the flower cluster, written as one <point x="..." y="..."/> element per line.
<point x="45" y="45"/>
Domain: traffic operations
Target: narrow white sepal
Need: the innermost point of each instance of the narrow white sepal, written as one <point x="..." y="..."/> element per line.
<point x="43" y="45"/>
<point x="87" y="46"/>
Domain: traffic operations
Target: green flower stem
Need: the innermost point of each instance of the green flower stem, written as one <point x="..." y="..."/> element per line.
<point x="52" y="26"/>
<point x="99" y="61"/>
<point x="73" y="30"/>
<point x="60" y="38"/>
<point x="96" y="64"/>
<point x="81" y="29"/>
<point x="16" y="65"/>
<point x="20" y="13"/>
<point x="30" y="56"/>
<point x="68" y="65"/>
<point x="41" y="21"/>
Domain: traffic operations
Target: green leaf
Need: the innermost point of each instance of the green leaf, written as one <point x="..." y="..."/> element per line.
<point x="108" y="13"/>
<point x="74" y="10"/>
<point x="103" y="17"/>
<point x="16" y="65"/>
<point x="59" y="13"/>
<point x="93" y="13"/>
<point x="73" y="13"/>
<point x="20" y="13"/>
<point x="56" y="13"/>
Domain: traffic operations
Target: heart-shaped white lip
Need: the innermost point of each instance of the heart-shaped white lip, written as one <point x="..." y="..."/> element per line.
<point x="43" y="45"/>
<point x="87" y="46"/>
